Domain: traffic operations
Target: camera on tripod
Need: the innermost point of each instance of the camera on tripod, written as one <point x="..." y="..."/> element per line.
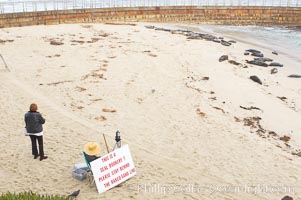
<point x="117" y="136"/>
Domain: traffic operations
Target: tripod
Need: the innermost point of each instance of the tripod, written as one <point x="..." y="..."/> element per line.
<point x="118" y="141"/>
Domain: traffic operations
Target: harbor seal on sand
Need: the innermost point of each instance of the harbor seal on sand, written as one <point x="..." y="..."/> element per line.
<point x="294" y="76"/>
<point x="257" y="62"/>
<point x="256" y="79"/>
<point x="276" y="64"/>
<point x="223" y="58"/>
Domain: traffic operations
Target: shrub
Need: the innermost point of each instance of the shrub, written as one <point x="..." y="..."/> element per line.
<point x="31" y="196"/>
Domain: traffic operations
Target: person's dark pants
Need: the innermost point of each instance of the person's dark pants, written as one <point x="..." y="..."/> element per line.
<point x="34" y="145"/>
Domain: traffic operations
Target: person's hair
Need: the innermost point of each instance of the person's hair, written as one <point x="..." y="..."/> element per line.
<point x="33" y="107"/>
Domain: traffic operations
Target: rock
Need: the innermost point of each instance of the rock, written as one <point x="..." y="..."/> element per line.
<point x="276" y="64"/>
<point x="287" y="198"/>
<point x="275" y="53"/>
<point x="253" y="51"/>
<point x="274" y="71"/>
<point x="256" y="54"/>
<point x="232" y="41"/>
<point x="223" y="58"/>
<point x="221" y="38"/>
<point x="247" y="53"/>
<point x="206" y="78"/>
<point x="256" y="79"/>
<point x="262" y="59"/>
<point x="257" y="62"/>
<point x="233" y="62"/>
<point x="294" y="76"/>
<point x="225" y="43"/>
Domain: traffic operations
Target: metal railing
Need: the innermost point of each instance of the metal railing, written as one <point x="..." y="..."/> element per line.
<point x="47" y="5"/>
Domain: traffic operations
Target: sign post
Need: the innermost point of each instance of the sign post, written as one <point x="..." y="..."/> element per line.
<point x="112" y="169"/>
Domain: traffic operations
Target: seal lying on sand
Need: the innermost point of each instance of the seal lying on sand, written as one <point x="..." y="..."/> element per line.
<point x="257" y="62"/>
<point x="257" y="54"/>
<point x="256" y="79"/>
<point x="262" y="59"/>
<point x="225" y="43"/>
<point x="223" y="58"/>
<point x="234" y="62"/>
<point x="276" y="64"/>
<point x="294" y="76"/>
<point x="253" y="51"/>
<point x="150" y="27"/>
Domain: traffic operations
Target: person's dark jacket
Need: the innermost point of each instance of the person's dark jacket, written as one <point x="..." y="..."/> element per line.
<point x="34" y="121"/>
<point x="90" y="158"/>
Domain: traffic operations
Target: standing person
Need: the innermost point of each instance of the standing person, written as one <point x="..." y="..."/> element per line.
<point x="34" y="121"/>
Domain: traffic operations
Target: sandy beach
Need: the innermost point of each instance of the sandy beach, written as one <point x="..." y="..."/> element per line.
<point x="189" y="120"/>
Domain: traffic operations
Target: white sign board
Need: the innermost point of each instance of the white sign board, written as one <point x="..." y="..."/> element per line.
<point x="112" y="169"/>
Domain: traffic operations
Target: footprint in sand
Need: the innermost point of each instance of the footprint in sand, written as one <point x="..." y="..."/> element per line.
<point x="293" y="178"/>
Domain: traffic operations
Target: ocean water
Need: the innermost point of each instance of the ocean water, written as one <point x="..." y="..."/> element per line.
<point x="283" y="40"/>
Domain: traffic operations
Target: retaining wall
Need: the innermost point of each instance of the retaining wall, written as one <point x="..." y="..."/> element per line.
<point x="265" y="16"/>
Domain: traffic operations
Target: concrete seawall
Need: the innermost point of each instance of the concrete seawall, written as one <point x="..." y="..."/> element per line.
<point x="263" y="16"/>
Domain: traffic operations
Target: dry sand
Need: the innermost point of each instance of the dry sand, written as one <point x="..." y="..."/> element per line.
<point x="183" y="131"/>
